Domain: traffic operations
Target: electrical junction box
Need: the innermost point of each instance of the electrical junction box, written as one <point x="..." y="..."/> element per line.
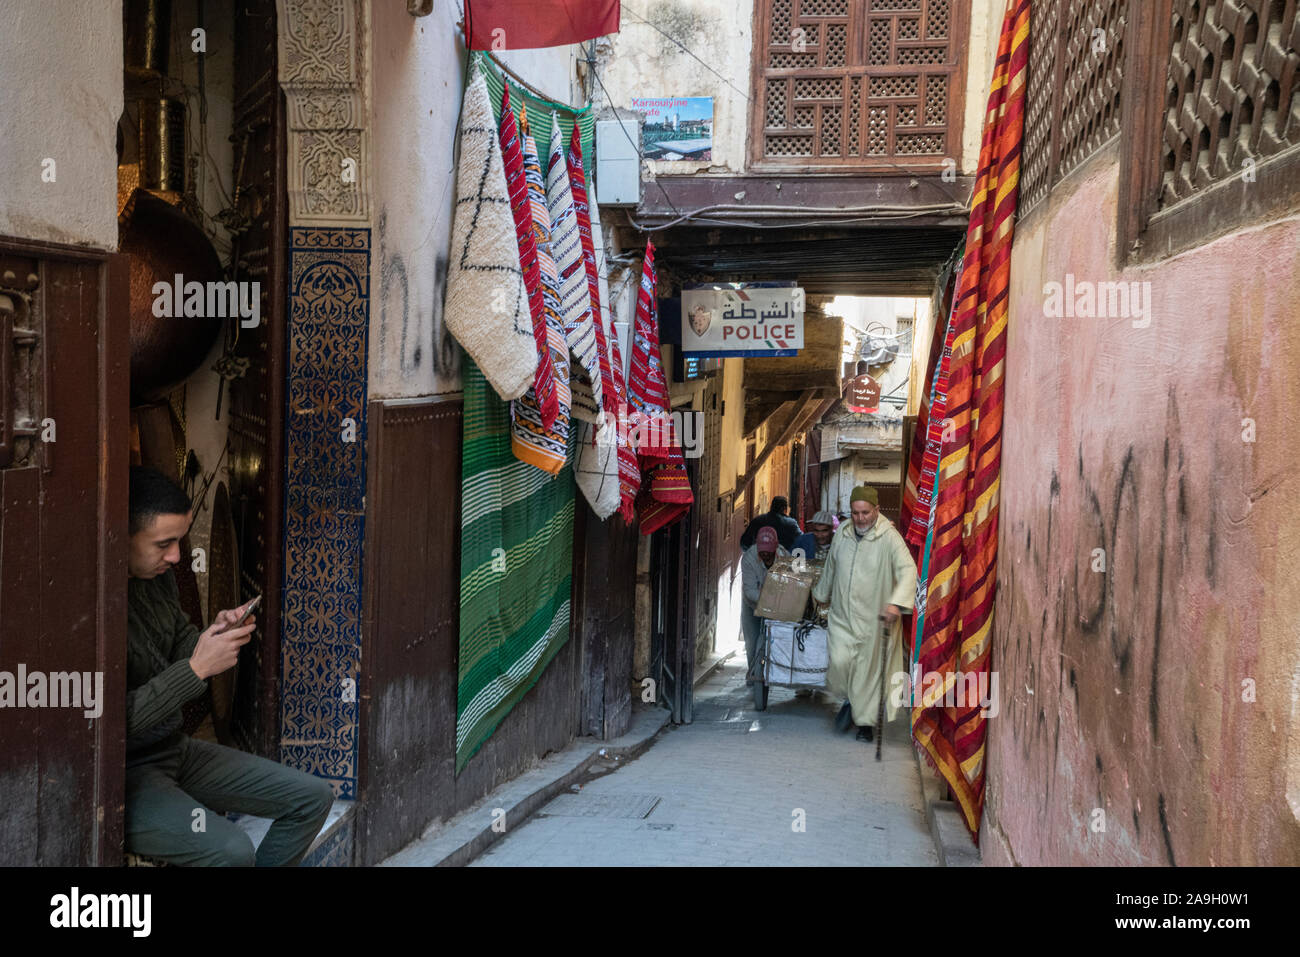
<point x="618" y="162"/>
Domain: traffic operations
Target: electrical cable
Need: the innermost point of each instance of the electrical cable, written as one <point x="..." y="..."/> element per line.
<point x="801" y="210"/>
<point x="635" y="148"/>
<point x="685" y="49"/>
<point x="797" y="224"/>
<point x="897" y="387"/>
<point x="954" y="205"/>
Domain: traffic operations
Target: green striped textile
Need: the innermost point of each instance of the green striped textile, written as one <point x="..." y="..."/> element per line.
<point x="516" y="568"/>
<point x="539" y="112"/>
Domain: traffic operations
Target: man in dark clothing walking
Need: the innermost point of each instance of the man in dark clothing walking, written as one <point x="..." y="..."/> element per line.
<point x="178" y="790"/>
<point x="787" y="529"/>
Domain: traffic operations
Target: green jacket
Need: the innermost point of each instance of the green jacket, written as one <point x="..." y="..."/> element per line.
<point x="863" y="575"/>
<point x="159" y="641"/>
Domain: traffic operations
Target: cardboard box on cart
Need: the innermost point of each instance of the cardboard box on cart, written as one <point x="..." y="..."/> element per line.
<point x="785" y="591"/>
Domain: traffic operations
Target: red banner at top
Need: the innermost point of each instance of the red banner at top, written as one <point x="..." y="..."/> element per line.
<point x="527" y="24"/>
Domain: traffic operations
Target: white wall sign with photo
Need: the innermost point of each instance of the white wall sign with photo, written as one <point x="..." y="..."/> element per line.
<point x="676" y="127"/>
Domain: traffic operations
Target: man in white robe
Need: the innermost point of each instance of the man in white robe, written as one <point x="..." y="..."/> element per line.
<point x="869" y="573"/>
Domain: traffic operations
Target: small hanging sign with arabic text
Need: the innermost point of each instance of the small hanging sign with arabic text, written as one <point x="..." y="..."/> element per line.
<point x="861" y="394"/>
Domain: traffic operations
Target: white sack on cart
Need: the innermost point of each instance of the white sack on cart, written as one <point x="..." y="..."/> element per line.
<point x="787" y="663"/>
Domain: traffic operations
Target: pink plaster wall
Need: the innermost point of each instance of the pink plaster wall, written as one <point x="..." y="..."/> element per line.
<point x="1123" y="690"/>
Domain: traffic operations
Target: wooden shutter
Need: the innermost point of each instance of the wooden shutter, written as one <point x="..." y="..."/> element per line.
<point x="64" y="371"/>
<point x="1232" y="85"/>
<point x="862" y="83"/>
<point x="1076" y="74"/>
<point x="1212" y="122"/>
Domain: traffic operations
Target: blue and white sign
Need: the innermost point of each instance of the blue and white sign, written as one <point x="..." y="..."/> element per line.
<point x="742" y="319"/>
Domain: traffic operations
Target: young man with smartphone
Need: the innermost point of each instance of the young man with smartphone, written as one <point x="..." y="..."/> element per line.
<point x="178" y="790"/>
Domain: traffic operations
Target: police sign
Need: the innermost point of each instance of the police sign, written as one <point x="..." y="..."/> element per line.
<point x="742" y="319"/>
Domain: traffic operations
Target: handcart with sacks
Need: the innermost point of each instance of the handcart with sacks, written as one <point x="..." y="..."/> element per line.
<point x="792" y="648"/>
<point x="791" y="654"/>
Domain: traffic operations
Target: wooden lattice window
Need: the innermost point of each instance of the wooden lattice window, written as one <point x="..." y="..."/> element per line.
<point x="1215" y="124"/>
<point x="862" y="83"/>
<point x="1231" y="88"/>
<point x="1076" y="71"/>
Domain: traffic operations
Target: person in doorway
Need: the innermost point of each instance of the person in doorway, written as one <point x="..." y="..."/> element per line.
<point x="754" y="564"/>
<point x="869" y="574"/>
<point x="787" y="529"/>
<point x="816" y="542"/>
<point x="178" y="790"/>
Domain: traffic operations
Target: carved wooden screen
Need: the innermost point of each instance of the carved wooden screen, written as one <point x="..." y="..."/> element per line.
<point x="1076" y="70"/>
<point x="1037" y="158"/>
<point x="1214" y="124"/>
<point x="858" y="83"/>
<point x="1231" y="92"/>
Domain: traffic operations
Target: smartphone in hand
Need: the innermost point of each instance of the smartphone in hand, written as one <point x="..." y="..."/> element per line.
<point x="252" y="605"/>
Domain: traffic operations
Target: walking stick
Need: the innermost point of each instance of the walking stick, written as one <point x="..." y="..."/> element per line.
<point x="884" y="658"/>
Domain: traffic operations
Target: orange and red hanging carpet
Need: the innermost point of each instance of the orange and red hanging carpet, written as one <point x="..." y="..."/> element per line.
<point x="954" y="622"/>
<point x="666" y="494"/>
<point x="512" y="157"/>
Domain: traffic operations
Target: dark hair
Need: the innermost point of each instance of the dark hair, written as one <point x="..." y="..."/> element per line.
<point x="780" y="504"/>
<point x="153" y="493"/>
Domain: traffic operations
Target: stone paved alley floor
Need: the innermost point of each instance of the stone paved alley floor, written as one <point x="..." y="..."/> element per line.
<point x="724" y="790"/>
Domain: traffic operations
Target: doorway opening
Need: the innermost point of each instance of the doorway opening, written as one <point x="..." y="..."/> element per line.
<point x="201" y="200"/>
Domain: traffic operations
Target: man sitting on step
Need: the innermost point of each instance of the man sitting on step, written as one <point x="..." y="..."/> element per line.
<point x="178" y="790"/>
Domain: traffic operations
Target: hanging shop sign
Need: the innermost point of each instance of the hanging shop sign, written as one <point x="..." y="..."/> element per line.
<point x="742" y="319"/>
<point x="861" y="394"/>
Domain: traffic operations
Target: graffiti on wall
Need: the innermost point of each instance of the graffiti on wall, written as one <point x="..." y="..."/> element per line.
<point x="414" y="342"/>
<point x="1120" y="696"/>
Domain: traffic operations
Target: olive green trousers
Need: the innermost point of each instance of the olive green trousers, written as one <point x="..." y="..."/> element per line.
<point x="179" y="790"/>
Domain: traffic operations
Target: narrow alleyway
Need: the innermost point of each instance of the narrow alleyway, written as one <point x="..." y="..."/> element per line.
<point x="727" y="789"/>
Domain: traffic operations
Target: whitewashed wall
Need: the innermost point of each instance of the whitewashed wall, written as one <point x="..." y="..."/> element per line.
<point x="417" y="83"/>
<point x="981" y="53"/>
<point x="644" y="62"/>
<point x="60" y="99"/>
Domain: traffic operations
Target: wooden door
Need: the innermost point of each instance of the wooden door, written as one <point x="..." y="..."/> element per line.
<point x="672" y="624"/>
<point x="64" y="454"/>
<point x="604" y="616"/>
<point x="257" y="400"/>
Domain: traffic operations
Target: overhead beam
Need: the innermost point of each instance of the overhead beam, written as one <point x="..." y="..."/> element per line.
<point x="844" y="261"/>
<point x="806" y="411"/>
<point x="906" y="201"/>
